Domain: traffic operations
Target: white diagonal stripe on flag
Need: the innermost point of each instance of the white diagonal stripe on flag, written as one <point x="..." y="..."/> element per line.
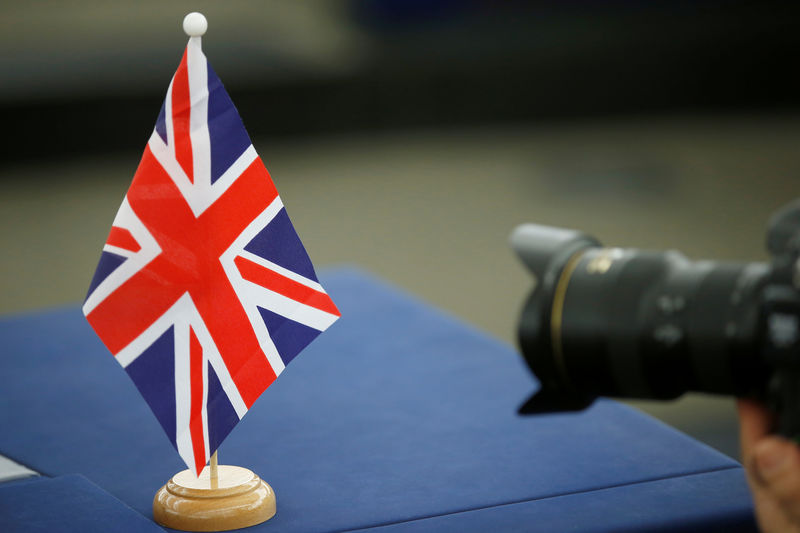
<point x="294" y="276"/>
<point x="150" y="249"/>
<point x="287" y="307"/>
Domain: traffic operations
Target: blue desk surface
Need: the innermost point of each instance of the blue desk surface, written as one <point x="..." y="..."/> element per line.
<point x="66" y="504"/>
<point x="397" y="418"/>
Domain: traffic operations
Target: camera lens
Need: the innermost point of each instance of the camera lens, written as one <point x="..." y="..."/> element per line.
<point x="632" y="323"/>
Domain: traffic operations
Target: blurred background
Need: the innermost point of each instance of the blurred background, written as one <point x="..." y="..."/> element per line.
<point x="409" y="137"/>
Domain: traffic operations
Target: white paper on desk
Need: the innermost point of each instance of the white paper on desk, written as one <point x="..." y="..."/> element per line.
<point x="9" y="470"/>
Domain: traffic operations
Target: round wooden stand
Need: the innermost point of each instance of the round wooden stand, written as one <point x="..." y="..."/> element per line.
<point x="237" y="498"/>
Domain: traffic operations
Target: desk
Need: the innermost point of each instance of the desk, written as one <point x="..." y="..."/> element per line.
<point x="398" y="418"/>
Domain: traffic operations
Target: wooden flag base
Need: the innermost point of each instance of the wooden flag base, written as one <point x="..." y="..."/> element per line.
<point x="237" y="499"/>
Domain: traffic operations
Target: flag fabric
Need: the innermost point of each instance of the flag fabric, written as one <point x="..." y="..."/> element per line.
<point x="203" y="292"/>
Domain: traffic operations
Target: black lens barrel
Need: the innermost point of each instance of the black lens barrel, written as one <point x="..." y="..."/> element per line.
<point x="655" y="325"/>
<point x="638" y="324"/>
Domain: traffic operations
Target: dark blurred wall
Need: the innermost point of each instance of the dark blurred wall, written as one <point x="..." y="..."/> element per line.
<point x="417" y="63"/>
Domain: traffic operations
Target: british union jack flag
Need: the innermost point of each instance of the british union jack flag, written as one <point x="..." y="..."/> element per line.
<point x="203" y="292"/>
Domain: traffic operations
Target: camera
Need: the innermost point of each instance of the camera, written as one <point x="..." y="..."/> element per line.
<point x="653" y="324"/>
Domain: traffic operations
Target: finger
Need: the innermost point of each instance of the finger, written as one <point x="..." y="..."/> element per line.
<point x="755" y="422"/>
<point x="777" y="464"/>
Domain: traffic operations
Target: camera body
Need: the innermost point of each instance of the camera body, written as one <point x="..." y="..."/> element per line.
<point x="642" y="324"/>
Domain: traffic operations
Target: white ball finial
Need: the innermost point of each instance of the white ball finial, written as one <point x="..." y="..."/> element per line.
<point x="195" y="24"/>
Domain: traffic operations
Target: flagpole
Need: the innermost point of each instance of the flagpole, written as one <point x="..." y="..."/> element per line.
<point x="214" y="475"/>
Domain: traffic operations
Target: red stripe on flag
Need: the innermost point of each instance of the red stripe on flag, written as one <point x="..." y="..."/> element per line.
<point x="191" y="248"/>
<point x="122" y="238"/>
<point x="273" y="281"/>
<point x="181" y="117"/>
<point x="196" y="409"/>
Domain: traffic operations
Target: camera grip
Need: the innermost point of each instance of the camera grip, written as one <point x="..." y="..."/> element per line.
<point x="784" y="401"/>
